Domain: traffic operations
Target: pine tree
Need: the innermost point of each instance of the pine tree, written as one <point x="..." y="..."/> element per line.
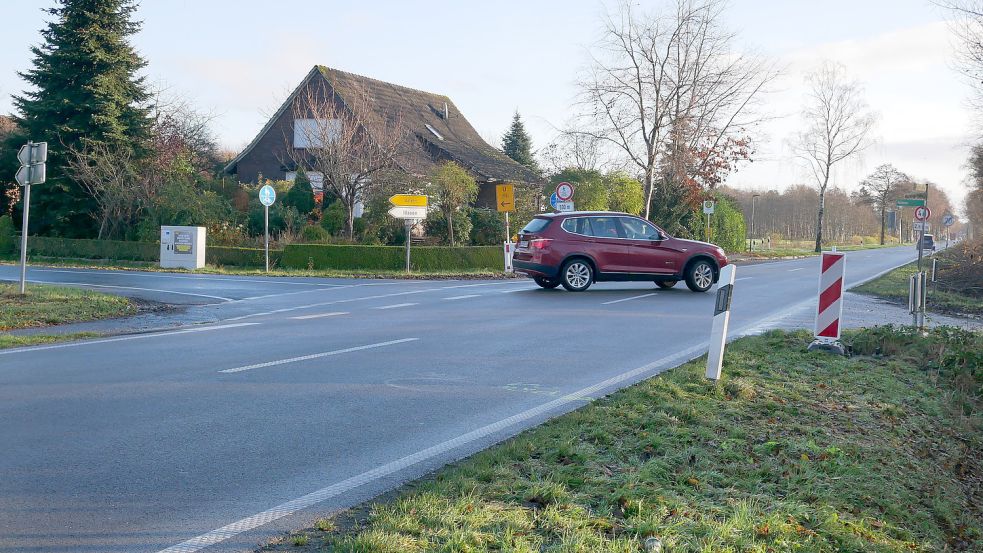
<point x="517" y="145"/>
<point x="85" y="91"/>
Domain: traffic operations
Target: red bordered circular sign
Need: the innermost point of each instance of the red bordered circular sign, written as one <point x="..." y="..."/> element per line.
<point x="564" y="191"/>
<point x="922" y="213"/>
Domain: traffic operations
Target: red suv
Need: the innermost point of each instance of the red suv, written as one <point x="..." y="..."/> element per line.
<point x="578" y="248"/>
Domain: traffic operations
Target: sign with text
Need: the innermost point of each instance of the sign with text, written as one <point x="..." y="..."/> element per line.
<point x="403" y="212"/>
<point x="505" y="197"/>
<point x="910" y="202"/>
<point x="408" y="200"/>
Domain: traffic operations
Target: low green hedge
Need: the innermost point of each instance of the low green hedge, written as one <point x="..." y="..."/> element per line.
<point x="8" y="236"/>
<point x="225" y="256"/>
<point x="113" y="250"/>
<point x="392" y="258"/>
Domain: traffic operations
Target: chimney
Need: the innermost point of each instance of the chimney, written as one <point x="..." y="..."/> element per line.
<point x="447" y="114"/>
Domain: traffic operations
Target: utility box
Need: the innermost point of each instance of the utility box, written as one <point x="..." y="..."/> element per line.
<point x="182" y="247"/>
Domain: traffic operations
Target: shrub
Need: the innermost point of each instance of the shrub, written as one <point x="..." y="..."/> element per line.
<point x="487" y="227"/>
<point x="391" y="258"/>
<point x="301" y="195"/>
<point x="8" y="237"/>
<point x="222" y="256"/>
<point x="727" y="227"/>
<point x="313" y="234"/>
<point x="333" y="219"/>
<point x="436" y="227"/>
<point x="113" y="250"/>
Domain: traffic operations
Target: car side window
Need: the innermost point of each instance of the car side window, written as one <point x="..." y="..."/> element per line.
<point x="637" y="229"/>
<point x="605" y="227"/>
<point x="577" y="225"/>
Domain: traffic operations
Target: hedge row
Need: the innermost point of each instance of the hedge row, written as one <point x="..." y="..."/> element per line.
<point x="117" y="250"/>
<point x="423" y="258"/>
<point x="8" y="237"/>
<point x="224" y="256"/>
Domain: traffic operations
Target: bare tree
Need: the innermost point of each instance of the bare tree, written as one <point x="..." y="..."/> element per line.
<point x="838" y="125"/>
<point x="346" y="140"/>
<point x="108" y="174"/>
<point x="671" y="83"/>
<point x="882" y="187"/>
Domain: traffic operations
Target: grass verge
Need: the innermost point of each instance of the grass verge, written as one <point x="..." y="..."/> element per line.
<point x="238" y="271"/>
<point x="955" y="292"/>
<point x="789" y="451"/>
<point x="8" y="341"/>
<point x="52" y="305"/>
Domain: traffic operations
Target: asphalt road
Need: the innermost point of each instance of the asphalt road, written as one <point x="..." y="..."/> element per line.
<point x="311" y="395"/>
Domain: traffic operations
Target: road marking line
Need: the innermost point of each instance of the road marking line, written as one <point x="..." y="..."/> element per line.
<point x="743" y="278"/>
<point x="799" y="269"/>
<point x="286" y="509"/>
<point x="513" y="291"/>
<point x="463" y="297"/>
<point x="123" y="338"/>
<point x="230" y="278"/>
<point x="316" y="356"/>
<point x="320" y="315"/>
<point x="130" y="288"/>
<point x="628" y="299"/>
<point x="395" y="305"/>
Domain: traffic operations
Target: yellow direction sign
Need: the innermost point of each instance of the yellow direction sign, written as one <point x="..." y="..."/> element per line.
<point x="505" y="197"/>
<point x="408" y="200"/>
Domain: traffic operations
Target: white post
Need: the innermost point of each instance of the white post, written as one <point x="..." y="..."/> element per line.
<point x="266" y="226"/>
<point x="721" y="319"/>
<point x="23" y="239"/>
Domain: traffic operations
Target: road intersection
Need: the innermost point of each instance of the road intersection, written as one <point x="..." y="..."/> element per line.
<point x="304" y="396"/>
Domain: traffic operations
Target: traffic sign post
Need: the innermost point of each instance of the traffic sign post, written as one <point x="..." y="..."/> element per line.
<point x="564" y="206"/>
<point x="708" y="209"/>
<point x="910" y="202"/>
<point x="409" y="208"/>
<point x="947" y="221"/>
<point x="922" y="213"/>
<point x="267" y="195"/>
<point x="564" y="191"/>
<point x="505" y="201"/>
<point x="32" y="157"/>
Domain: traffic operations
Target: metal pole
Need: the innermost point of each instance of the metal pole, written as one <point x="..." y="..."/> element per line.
<point x="266" y="226"/>
<point x="23" y="239"/>
<point x="508" y="233"/>
<point x="409" y="228"/>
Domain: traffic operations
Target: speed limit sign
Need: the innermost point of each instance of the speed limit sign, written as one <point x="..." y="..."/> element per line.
<point x="922" y="213"/>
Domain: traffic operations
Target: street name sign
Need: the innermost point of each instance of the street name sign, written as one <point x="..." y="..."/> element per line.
<point x="564" y="206"/>
<point x="922" y="213"/>
<point x="911" y="202"/>
<point x="267" y="195"/>
<point x="505" y="197"/>
<point x="948" y="220"/>
<point x="564" y="191"/>
<point x="408" y="200"/>
<point x="404" y="212"/>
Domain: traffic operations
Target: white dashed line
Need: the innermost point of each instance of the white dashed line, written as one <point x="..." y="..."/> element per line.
<point x="123" y="338"/>
<point x="316" y="356"/>
<point x="395" y="305"/>
<point x="463" y="297"/>
<point x="799" y="269"/>
<point x="743" y="278"/>
<point x="320" y="315"/>
<point x="629" y="299"/>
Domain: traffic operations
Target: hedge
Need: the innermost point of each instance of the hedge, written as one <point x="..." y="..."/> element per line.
<point x="393" y="258"/>
<point x="224" y="256"/>
<point x="113" y="250"/>
<point x="8" y="237"/>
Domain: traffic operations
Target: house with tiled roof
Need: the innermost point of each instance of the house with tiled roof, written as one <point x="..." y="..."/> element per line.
<point x="436" y="132"/>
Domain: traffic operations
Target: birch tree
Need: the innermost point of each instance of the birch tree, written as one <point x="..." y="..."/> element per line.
<point x="346" y="140"/>
<point x="666" y="84"/>
<point x="838" y="125"/>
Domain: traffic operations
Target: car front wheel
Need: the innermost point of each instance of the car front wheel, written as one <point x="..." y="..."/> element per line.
<point x="577" y="275"/>
<point x="699" y="277"/>
<point x="547" y="283"/>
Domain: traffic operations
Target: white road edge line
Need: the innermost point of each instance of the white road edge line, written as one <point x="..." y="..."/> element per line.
<point x="315" y="356"/>
<point x="396" y="305"/>
<point x="462" y="297"/>
<point x="230" y="278"/>
<point x="629" y="299"/>
<point x="86" y="284"/>
<point x="799" y="269"/>
<point x="319" y="315"/>
<point x="123" y="338"/>
<point x="743" y="278"/>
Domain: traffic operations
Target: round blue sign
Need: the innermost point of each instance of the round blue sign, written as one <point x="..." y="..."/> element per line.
<point x="267" y="195"/>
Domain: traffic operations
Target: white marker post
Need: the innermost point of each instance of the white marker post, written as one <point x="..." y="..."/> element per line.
<point x="721" y="319"/>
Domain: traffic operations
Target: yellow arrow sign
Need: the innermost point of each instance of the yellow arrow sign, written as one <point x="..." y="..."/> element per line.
<point x="505" y="197"/>
<point x="408" y="200"/>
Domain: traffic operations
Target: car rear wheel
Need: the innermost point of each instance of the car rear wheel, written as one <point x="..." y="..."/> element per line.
<point x="699" y="276"/>
<point x="547" y="283"/>
<point x="577" y="275"/>
<point x="666" y="284"/>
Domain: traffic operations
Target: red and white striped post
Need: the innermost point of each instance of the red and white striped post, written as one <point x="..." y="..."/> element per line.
<point x="830" y="310"/>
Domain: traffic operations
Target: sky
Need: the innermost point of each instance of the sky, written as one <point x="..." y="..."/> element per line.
<point x="238" y="60"/>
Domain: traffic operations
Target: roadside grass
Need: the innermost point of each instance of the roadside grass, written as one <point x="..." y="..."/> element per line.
<point x="8" y="341"/>
<point x="791" y="450"/>
<point x="274" y="272"/>
<point x="52" y="305"/>
<point x="947" y="295"/>
<point x="808" y="251"/>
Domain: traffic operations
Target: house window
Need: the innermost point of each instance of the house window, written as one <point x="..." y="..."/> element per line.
<point x="315" y="133"/>
<point x="316" y="178"/>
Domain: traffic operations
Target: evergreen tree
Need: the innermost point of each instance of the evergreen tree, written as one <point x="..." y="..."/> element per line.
<point x="301" y="195"/>
<point x="85" y="91"/>
<point x="517" y="145"/>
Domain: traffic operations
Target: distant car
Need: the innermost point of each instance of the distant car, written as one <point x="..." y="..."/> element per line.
<point x="928" y="242"/>
<point x="576" y="249"/>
